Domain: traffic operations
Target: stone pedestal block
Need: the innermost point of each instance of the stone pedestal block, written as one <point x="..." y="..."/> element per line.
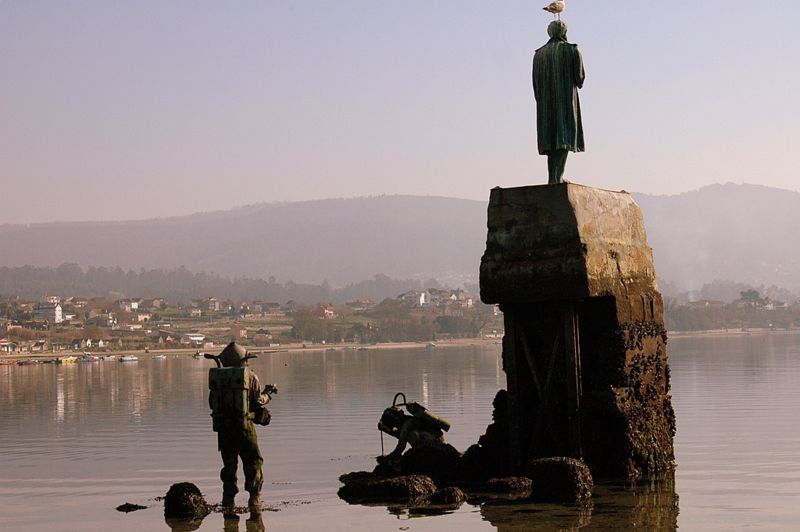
<point x="585" y="345"/>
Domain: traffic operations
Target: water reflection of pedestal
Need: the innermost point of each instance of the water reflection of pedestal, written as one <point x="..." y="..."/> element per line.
<point x="651" y="506"/>
<point x="585" y="346"/>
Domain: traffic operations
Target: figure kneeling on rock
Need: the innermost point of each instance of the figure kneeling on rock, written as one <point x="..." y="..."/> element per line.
<point x="419" y="429"/>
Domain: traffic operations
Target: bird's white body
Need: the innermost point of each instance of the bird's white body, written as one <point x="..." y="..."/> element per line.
<point x="555" y="7"/>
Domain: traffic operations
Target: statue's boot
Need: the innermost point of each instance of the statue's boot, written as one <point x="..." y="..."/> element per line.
<point x="228" y="504"/>
<point x="254" y="504"/>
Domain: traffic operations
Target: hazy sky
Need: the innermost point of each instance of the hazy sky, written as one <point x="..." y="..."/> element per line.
<point x="121" y="110"/>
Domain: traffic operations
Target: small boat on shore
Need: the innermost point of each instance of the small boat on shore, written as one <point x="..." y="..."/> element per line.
<point x="8" y="362"/>
<point x="128" y="358"/>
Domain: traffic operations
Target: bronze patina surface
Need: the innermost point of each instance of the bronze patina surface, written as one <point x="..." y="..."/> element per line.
<point x="558" y="73"/>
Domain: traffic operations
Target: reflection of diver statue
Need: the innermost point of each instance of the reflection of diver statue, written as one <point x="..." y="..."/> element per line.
<point x="557" y="75"/>
<point x="420" y="429"/>
<point x="237" y="403"/>
<point x="254" y="523"/>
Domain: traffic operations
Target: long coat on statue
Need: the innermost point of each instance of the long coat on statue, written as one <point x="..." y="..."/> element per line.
<point x="557" y="75"/>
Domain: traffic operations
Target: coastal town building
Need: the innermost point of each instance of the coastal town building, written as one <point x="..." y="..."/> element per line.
<point x="326" y="310"/>
<point x="128" y="305"/>
<point x="101" y="318"/>
<point x="193" y="339"/>
<point x="414" y="298"/>
<point x="7" y="346"/>
<point x="49" y="312"/>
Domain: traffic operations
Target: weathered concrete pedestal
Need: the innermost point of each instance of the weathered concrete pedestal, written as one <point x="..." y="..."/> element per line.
<point x="585" y="346"/>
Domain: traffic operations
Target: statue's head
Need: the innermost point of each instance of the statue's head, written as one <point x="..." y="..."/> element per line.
<point x="234" y="355"/>
<point x="392" y="418"/>
<point x="557" y="30"/>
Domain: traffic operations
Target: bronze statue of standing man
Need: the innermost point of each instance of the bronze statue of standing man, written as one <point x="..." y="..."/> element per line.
<point x="557" y="76"/>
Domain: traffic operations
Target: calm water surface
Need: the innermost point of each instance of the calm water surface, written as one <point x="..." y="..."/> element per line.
<point x="78" y="440"/>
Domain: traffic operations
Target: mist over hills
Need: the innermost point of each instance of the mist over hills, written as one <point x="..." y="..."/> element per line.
<point x="341" y="240"/>
<point x="744" y="233"/>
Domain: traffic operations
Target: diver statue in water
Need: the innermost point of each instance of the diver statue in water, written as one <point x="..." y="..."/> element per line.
<point x="237" y="404"/>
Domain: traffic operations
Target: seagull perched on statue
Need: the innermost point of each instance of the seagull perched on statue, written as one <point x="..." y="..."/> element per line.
<point x="556" y="8"/>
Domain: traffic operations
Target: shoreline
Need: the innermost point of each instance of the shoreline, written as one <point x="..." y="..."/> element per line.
<point x="287" y="348"/>
<point x="290" y="348"/>
<point x="731" y="332"/>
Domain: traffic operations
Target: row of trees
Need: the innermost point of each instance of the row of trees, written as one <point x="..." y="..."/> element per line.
<point x="180" y="285"/>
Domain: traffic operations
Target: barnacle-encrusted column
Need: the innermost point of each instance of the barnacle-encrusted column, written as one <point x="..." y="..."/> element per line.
<point x="585" y="349"/>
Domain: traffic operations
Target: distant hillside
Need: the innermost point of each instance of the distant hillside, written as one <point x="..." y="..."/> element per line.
<point x="341" y="240"/>
<point x="743" y="233"/>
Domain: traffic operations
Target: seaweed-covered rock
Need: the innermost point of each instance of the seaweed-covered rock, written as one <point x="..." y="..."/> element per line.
<point x="363" y="487"/>
<point x="184" y="500"/>
<point x="560" y="479"/>
<point x="508" y="485"/>
<point x="439" y="462"/>
<point x="406" y="488"/>
<point x="451" y="496"/>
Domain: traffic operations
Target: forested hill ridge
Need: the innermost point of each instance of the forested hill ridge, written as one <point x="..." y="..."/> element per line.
<point x="743" y="233"/>
<point x="341" y="240"/>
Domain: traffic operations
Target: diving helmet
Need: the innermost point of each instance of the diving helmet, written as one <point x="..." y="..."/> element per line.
<point x="392" y="419"/>
<point x="234" y="355"/>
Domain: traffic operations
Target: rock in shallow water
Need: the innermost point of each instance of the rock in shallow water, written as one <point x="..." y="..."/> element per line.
<point x="367" y="487"/>
<point x="129" y="507"/>
<point x="560" y="479"/>
<point x="508" y="485"/>
<point x="184" y="500"/>
<point x="451" y="496"/>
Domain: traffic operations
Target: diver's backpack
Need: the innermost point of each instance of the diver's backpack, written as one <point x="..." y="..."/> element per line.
<point x="230" y="396"/>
